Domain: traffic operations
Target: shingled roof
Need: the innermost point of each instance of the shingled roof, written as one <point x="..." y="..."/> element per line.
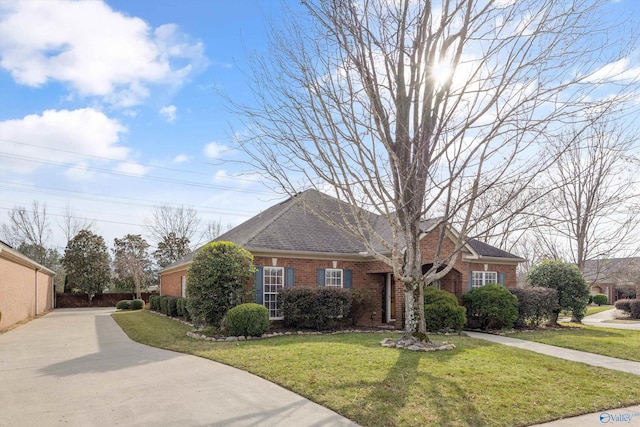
<point x="295" y="226"/>
<point x="611" y="270"/>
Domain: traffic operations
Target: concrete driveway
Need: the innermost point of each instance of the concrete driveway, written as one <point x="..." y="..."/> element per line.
<point x="76" y="367"/>
<point x="606" y="319"/>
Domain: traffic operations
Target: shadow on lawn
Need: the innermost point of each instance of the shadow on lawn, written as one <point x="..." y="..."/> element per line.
<point x="411" y="396"/>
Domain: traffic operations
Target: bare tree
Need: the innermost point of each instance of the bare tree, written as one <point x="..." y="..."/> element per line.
<point x="70" y="225"/>
<point x="28" y="227"/>
<point x="418" y="109"/>
<point x="214" y="229"/>
<point x="182" y="222"/>
<point x="594" y="211"/>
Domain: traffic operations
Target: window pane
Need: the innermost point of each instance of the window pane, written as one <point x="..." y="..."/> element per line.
<point x="333" y="277"/>
<point x="273" y="283"/>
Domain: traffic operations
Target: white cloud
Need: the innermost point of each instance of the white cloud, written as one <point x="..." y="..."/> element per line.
<point x="71" y="136"/>
<point x="131" y="168"/>
<point x="181" y="158"/>
<point x="93" y="49"/>
<point x="213" y="150"/>
<point x="168" y="113"/>
<point x="79" y="172"/>
<point x="620" y="70"/>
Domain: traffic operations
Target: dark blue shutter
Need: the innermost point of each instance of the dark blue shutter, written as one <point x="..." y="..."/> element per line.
<point x="289" y="277"/>
<point x="348" y="278"/>
<point x="320" y="276"/>
<point x="470" y="280"/>
<point x="501" y="278"/>
<point x="258" y="280"/>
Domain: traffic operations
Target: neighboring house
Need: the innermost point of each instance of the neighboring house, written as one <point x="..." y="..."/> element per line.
<point x="26" y="287"/>
<point x="617" y="278"/>
<point x="294" y="247"/>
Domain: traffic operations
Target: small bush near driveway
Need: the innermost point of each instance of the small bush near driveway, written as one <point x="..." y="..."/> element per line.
<point x="250" y="320"/>
<point x="600" y="299"/>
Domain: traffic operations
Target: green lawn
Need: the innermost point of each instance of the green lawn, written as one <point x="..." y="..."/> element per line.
<point x="594" y="309"/>
<point x="478" y="384"/>
<point x="619" y="343"/>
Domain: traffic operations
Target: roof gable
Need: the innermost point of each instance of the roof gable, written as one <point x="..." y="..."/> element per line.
<point x="295" y="226"/>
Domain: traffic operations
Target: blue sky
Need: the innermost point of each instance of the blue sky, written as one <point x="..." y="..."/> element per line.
<point x="111" y="107"/>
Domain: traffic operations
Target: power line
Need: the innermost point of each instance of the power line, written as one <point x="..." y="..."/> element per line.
<point x="135" y="200"/>
<point x="121" y="161"/>
<point x="149" y="178"/>
<point x="87" y="219"/>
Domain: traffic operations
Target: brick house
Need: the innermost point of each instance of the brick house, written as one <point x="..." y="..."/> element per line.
<point x="26" y="287"/>
<point x="294" y="247"/>
<point x="617" y="278"/>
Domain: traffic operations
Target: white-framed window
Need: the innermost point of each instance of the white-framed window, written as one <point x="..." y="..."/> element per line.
<point x="333" y="277"/>
<point x="183" y="286"/>
<point x="436" y="284"/>
<point x="482" y="278"/>
<point x="273" y="283"/>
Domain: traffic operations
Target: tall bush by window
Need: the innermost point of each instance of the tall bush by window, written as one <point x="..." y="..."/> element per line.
<point x="315" y="308"/>
<point x="216" y="278"/>
<point x="491" y="307"/>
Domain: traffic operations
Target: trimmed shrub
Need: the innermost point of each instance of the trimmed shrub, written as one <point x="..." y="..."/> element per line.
<point x="137" y="304"/>
<point x="154" y="302"/>
<point x="600" y="299"/>
<point x="567" y="279"/>
<point x="172" y="306"/>
<point x="125" y="304"/>
<point x="535" y="305"/>
<point x="216" y="278"/>
<point x="442" y="312"/>
<point x="624" y="305"/>
<point x="361" y="302"/>
<point x="163" y="304"/>
<point x="635" y="308"/>
<point x="180" y="303"/>
<point x="251" y="320"/>
<point x="491" y="307"/>
<point x="315" y="308"/>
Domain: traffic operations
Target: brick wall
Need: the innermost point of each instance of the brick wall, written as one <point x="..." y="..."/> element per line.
<point x="18" y="297"/>
<point x="171" y="283"/>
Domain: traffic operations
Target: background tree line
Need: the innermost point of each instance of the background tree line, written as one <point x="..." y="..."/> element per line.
<point x="87" y="265"/>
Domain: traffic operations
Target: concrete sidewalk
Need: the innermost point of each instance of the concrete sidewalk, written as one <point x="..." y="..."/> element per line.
<point x="563" y="353"/>
<point x="625" y="416"/>
<point x="77" y="367"/>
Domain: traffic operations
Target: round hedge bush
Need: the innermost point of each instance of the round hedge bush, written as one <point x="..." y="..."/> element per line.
<point x="442" y="312"/>
<point x="137" y="304"/>
<point x="600" y="299"/>
<point x="567" y="279"/>
<point x="125" y="304"/>
<point x="251" y="320"/>
<point x="491" y="307"/>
